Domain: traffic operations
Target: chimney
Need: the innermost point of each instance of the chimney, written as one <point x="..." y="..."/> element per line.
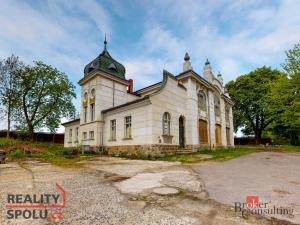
<point x="207" y="71"/>
<point x="187" y="64"/>
<point x="130" y="86"/>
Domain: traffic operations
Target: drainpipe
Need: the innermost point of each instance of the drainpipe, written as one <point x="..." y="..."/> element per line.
<point x="113" y="93"/>
<point x="102" y="132"/>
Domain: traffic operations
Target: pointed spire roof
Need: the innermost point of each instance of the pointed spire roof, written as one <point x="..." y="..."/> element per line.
<point x="186" y="57"/>
<point x="207" y="62"/>
<point x="106" y="63"/>
<point x="105" y="42"/>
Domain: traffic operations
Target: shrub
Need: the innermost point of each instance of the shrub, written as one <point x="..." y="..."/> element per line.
<point x="6" y="142"/>
<point x="16" y="154"/>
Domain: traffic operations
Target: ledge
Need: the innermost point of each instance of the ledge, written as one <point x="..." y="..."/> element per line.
<point x="167" y="135"/>
<point x="124" y="139"/>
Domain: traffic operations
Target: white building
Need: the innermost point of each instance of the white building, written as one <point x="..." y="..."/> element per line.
<point x="187" y="111"/>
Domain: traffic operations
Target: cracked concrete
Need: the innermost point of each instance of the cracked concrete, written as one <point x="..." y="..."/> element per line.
<point x="116" y="191"/>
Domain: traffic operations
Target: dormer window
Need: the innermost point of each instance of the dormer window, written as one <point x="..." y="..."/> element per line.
<point x="112" y="67"/>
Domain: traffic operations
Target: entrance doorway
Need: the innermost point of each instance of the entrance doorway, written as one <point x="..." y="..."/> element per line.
<point x="181" y="132"/>
<point x="218" y="134"/>
<point x="203" y="139"/>
<point x="228" y="135"/>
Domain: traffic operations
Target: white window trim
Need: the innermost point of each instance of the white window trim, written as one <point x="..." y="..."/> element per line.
<point x="125" y="130"/>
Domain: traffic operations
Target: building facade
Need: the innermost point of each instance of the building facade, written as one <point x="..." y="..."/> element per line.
<point x="183" y="112"/>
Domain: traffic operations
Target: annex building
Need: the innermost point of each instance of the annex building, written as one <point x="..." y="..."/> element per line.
<point x="187" y="111"/>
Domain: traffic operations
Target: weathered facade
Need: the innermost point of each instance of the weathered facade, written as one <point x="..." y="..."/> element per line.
<point x="187" y="111"/>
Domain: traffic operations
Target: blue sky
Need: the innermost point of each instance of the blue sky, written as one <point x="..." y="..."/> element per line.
<point x="149" y="36"/>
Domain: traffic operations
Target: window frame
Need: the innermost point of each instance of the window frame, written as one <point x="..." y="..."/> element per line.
<point x="128" y="135"/>
<point x="85" y="114"/>
<point x="84" y="135"/>
<point x="202" y="105"/>
<point x="113" y="132"/>
<point x="92" y="111"/>
<point x="76" y="133"/>
<point x="91" y="135"/>
<point x="166" y="124"/>
<point x="70" y="134"/>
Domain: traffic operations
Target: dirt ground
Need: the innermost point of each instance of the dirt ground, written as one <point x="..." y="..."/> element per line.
<point x="117" y="191"/>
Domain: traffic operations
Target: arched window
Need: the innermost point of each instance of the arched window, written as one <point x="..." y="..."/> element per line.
<point x="166" y="122"/>
<point x="217" y="105"/>
<point x="92" y="106"/>
<point x="227" y="111"/>
<point x="85" y="99"/>
<point x="201" y="101"/>
<point x="93" y="92"/>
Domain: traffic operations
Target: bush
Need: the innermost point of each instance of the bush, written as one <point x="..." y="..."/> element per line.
<point x="6" y="142"/>
<point x="16" y="154"/>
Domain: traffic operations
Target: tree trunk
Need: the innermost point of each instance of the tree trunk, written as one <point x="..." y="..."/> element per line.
<point x="31" y="132"/>
<point x="258" y="138"/>
<point x="8" y="122"/>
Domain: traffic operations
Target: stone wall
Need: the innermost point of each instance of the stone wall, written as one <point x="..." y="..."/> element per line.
<point x="153" y="150"/>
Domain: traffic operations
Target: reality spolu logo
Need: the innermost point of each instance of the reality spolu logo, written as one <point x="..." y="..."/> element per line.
<point x="33" y="206"/>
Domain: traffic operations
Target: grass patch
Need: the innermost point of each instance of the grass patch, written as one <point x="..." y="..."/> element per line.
<point x="203" y="155"/>
<point x="218" y="154"/>
<point x="47" y="152"/>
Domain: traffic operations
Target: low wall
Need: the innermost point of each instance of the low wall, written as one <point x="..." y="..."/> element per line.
<point x="155" y="149"/>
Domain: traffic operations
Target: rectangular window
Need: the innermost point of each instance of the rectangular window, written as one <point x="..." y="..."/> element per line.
<point x="113" y="129"/>
<point x="92" y="112"/>
<point x="85" y="114"/>
<point x="76" y="134"/>
<point x="70" y="135"/>
<point x="84" y="135"/>
<point x="127" y="127"/>
<point x="91" y="135"/>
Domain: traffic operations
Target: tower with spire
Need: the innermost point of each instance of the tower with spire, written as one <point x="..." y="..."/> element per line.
<point x="106" y="63"/>
<point x="187" y="64"/>
<point x="207" y="71"/>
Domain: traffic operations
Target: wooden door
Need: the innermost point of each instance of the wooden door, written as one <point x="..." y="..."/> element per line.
<point x="181" y="132"/>
<point x="218" y="134"/>
<point x="203" y="132"/>
<point x="228" y="135"/>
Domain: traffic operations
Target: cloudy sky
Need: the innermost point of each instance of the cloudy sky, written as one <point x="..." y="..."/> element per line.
<point x="236" y="36"/>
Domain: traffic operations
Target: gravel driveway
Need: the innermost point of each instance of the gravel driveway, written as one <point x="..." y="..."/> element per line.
<point x="117" y="191"/>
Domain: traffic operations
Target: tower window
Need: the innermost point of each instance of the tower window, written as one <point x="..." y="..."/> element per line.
<point x="92" y="112"/>
<point x="112" y="67"/>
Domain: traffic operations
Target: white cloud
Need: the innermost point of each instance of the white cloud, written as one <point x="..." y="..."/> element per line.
<point x="235" y="35"/>
<point x="231" y="34"/>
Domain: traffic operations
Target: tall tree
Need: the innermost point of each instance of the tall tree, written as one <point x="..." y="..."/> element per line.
<point x="9" y="83"/>
<point x="250" y="93"/>
<point x="292" y="62"/>
<point x="284" y="99"/>
<point x="45" y="97"/>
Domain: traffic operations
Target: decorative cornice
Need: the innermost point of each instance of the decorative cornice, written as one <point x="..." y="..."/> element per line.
<point x="99" y="72"/>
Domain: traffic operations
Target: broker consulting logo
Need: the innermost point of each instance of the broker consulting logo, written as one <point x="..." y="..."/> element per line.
<point x="253" y="205"/>
<point x="33" y="206"/>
